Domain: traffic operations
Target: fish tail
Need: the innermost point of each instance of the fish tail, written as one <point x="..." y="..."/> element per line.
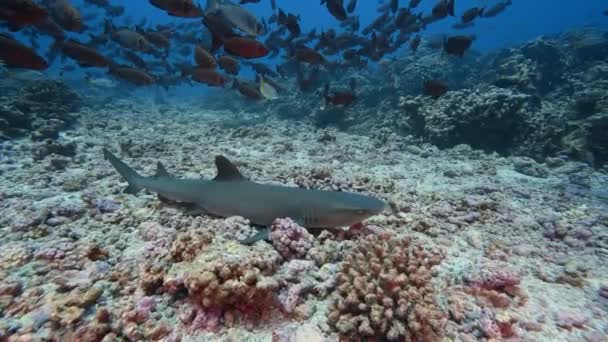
<point x="130" y="175"/>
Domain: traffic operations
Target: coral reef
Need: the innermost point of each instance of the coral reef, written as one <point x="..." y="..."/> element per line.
<point x="43" y="107"/>
<point x="291" y="240"/>
<point x="227" y="275"/>
<point x="385" y="290"/>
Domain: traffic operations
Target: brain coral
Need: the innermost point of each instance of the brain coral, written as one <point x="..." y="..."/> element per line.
<point x="384" y="291"/>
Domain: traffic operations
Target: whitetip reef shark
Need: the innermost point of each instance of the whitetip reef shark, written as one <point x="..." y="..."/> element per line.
<point x="231" y="194"/>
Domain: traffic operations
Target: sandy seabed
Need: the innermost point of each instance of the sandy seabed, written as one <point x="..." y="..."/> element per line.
<point x="524" y="244"/>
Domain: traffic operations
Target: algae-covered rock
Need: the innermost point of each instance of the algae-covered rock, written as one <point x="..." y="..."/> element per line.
<point x="228" y="275"/>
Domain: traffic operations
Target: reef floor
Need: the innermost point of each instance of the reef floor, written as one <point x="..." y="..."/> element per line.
<point x="525" y="244"/>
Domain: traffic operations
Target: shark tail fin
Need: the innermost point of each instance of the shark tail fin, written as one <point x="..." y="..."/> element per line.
<point x="130" y="175"/>
<point x="262" y="234"/>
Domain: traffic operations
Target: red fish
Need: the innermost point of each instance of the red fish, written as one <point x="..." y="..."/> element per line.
<point x="19" y="13"/>
<point x="245" y="47"/>
<point x="17" y="55"/>
<point x="229" y="64"/>
<point x="84" y="55"/>
<point x="178" y="8"/>
<point x="132" y="75"/>
<point x="203" y="58"/>
<point x="308" y="55"/>
<point x="67" y="16"/>
<point x="209" y="77"/>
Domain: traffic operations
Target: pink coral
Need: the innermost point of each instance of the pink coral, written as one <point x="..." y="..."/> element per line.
<point x="385" y="291"/>
<point x="291" y="240"/>
<point x="496" y="276"/>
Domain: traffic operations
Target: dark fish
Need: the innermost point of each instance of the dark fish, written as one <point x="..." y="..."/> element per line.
<point x="209" y="77"/>
<point x="308" y="55"/>
<point x="461" y="25"/>
<point x="443" y="8"/>
<point x="16" y="55"/>
<point x="67" y="16"/>
<point x="249" y="1"/>
<point x="248" y="90"/>
<point x="351" y="6"/>
<point x="341" y="98"/>
<point x="178" y="8"/>
<point x="229" y="64"/>
<point x="235" y="16"/>
<point x="245" y="47"/>
<point x="435" y="88"/>
<point x="204" y="58"/>
<point x="85" y="56"/>
<point x="49" y="27"/>
<point x="20" y="13"/>
<point x="414" y="43"/>
<point x="98" y="3"/>
<point x="394" y="6"/>
<point x="335" y="8"/>
<point x="158" y="39"/>
<point x="220" y="30"/>
<point x="134" y="58"/>
<point x="457" y="45"/>
<point x="470" y="14"/>
<point x="132" y="75"/>
<point x="115" y="11"/>
<point x="273" y="4"/>
<point x="290" y="21"/>
<point x="261" y="69"/>
<point x="496" y="9"/>
<point x="414" y="3"/>
<point x="605" y="12"/>
<point x="131" y="40"/>
<point x="307" y="84"/>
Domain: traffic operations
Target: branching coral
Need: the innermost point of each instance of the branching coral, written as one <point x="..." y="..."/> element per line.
<point x="384" y="290"/>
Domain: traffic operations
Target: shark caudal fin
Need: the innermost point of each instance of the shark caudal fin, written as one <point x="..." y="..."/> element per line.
<point x="130" y="175"/>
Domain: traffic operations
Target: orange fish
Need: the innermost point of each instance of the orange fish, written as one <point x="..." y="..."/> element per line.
<point x="209" y="77"/>
<point x="245" y="47"/>
<point x="17" y="55"/>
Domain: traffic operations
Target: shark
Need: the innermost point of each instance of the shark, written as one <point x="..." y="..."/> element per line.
<point x="229" y="193"/>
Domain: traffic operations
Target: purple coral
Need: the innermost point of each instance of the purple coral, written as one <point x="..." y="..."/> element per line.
<point x="291" y="240"/>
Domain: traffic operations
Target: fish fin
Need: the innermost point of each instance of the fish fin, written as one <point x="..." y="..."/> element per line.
<point x="262" y="234"/>
<point x="130" y="175"/>
<point x="161" y="171"/>
<point x="226" y="171"/>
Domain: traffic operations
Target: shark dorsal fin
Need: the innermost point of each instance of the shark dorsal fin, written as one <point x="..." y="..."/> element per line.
<point x="226" y="171"/>
<point x="161" y="171"/>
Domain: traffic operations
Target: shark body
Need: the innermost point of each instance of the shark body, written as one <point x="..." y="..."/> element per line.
<point x="231" y="194"/>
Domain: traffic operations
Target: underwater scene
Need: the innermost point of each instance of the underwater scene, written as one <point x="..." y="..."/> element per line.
<point x="303" y="170"/>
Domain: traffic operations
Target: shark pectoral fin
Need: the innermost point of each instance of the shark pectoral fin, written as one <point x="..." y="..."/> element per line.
<point x="262" y="234"/>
